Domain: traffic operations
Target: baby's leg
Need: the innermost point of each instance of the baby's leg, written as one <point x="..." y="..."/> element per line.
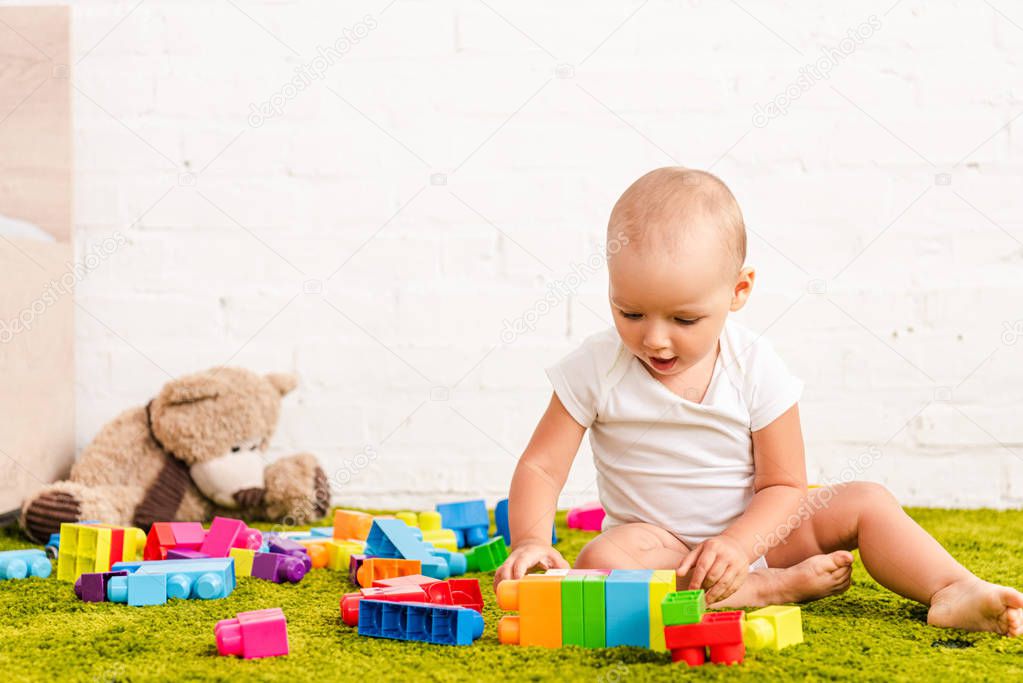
<point x="901" y="556"/>
<point x="645" y="546"/>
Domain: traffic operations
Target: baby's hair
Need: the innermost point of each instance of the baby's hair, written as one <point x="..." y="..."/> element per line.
<point x="658" y="210"/>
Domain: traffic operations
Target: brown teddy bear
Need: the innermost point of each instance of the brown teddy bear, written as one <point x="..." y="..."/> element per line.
<point x="196" y="447"/>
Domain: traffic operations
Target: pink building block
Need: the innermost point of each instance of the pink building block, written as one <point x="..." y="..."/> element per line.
<point x="250" y="539"/>
<point x="222" y="536"/>
<point x="188" y="535"/>
<point x="260" y="633"/>
<point x="587" y="517"/>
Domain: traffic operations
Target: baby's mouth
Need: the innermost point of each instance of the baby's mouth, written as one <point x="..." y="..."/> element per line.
<point x="663" y="365"/>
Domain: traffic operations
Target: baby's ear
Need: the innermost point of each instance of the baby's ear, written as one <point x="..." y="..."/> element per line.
<point x="191" y="388"/>
<point x="283" y="382"/>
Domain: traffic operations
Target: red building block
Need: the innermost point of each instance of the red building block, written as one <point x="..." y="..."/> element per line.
<point x="159" y="540"/>
<point x="718" y="632"/>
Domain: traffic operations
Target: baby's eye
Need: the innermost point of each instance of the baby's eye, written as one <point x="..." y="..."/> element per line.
<point x="235" y="449"/>
<point x="254" y="446"/>
<point x="684" y="321"/>
<point x="631" y="316"/>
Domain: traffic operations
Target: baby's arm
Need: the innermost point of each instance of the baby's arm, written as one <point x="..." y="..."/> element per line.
<point x="779" y="481"/>
<point x="538" y="480"/>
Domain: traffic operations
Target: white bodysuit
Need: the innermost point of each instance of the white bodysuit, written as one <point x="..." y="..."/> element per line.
<point x="662" y="459"/>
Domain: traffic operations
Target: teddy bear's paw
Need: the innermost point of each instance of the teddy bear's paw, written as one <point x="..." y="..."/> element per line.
<point x="297" y="490"/>
<point x="43" y="514"/>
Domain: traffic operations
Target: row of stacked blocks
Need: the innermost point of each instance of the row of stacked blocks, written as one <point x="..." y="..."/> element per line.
<point x="606" y="608"/>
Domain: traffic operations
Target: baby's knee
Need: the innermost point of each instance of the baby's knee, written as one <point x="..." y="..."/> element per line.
<point x="870" y="495"/>
<point x="627" y="546"/>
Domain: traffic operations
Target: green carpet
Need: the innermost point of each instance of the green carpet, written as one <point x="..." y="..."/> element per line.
<point x="866" y="633"/>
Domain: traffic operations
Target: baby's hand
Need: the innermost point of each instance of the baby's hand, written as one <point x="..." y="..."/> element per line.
<point x="719" y="566"/>
<point x="527" y="556"/>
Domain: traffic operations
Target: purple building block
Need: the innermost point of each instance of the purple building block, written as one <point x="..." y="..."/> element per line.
<point x="353" y="568"/>
<point x="286" y="546"/>
<point x="277" y="568"/>
<point x="186" y="555"/>
<point x="92" y="587"/>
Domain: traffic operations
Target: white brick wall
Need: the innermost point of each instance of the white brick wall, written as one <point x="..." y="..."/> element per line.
<point x="904" y="350"/>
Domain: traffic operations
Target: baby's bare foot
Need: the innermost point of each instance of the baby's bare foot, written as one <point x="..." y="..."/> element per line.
<point x="976" y="605"/>
<point x="814" y="578"/>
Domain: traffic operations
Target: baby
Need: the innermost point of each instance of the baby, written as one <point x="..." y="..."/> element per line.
<point x="694" y="425"/>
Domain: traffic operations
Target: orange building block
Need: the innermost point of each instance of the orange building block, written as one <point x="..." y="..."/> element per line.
<point x="538" y="600"/>
<point x="376" y="568"/>
<point x="350" y="524"/>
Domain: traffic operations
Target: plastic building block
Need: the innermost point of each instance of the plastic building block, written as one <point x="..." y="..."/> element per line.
<point x="354" y="565"/>
<point x="374" y="568"/>
<point x="538" y="601"/>
<point x="627" y="596"/>
<point x="350" y="601"/>
<point x="410" y="580"/>
<point x="662" y="583"/>
<point x="720" y="633"/>
<point x="175" y="554"/>
<point x="683" y="607"/>
<point x="430" y="521"/>
<point x="594" y="604"/>
<point x="437" y="624"/>
<point x="243" y="559"/>
<point x="255" y="634"/>
<point x="393" y="539"/>
<point x="572" y="610"/>
<point x="286" y="546"/>
<point x="93" y="587"/>
<point x="206" y="579"/>
<point x="410" y="518"/>
<point x="501" y="522"/>
<point x="322" y="531"/>
<point x="278" y="568"/>
<point x="251" y="539"/>
<point x="589" y="517"/>
<point x="93" y="547"/>
<point x="445" y="539"/>
<point x="139" y="590"/>
<point x="319" y="555"/>
<point x="776" y="626"/>
<point x="466" y="592"/>
<point x="351" y="525"/>
<point x="455" y="562"/>
<point x="159" y="539"/>
<point x="339" y="553"/>
<point x="222" y="536"/>
<point x="18" y="564"/>
<point x="487" y="557"/>
<point x="469" y="520"/>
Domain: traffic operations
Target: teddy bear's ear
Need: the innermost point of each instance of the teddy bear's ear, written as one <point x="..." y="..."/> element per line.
<point x="191" y="388"/>
<point x="282" y="382"/>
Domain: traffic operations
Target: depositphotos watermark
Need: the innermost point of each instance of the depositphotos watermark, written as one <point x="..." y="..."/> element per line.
<point x="314" y="70"/>
<point x="65" y="284"/>
<point x="559" y="290"/>
<point x="818" y="501"/>
<point x="814" y="72"/>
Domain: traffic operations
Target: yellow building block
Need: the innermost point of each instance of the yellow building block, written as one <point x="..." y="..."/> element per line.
<point x="429" y="520"/>
<point x="661" y="583"/>
<point x="243" y="558"/>
<point x="134" y="544"/>
<point x="444" y="539"/>
<point x="410" y="518"/>
<point x="339" y="553"/>
<point x="85" y="556"/>
<point x="67" y="556"/>
<point x="537" y="598"/>
<point x="773" y="627"/>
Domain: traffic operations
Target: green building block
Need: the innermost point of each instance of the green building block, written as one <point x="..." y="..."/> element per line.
<point x="594" y="634"/>
<point x="572" y="610"/>
<point x="486" y="557"/>
<point x="683" y="607"/>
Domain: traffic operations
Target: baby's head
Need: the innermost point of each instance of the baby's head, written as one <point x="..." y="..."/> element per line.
<point x="676" y="254"/>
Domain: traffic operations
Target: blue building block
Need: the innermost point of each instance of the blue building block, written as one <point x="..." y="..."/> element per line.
<point x="392" y="538"/>
<point x="501" y="522"/>
<point x="205" y="579"/>
<point x="468" y="519"/>
<point x="141" y="589"/>
<point x="627" y="606"/>
<point x="423" y="622"/>
<point x="324" y="531"/>
<point x="18" y="564"/>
